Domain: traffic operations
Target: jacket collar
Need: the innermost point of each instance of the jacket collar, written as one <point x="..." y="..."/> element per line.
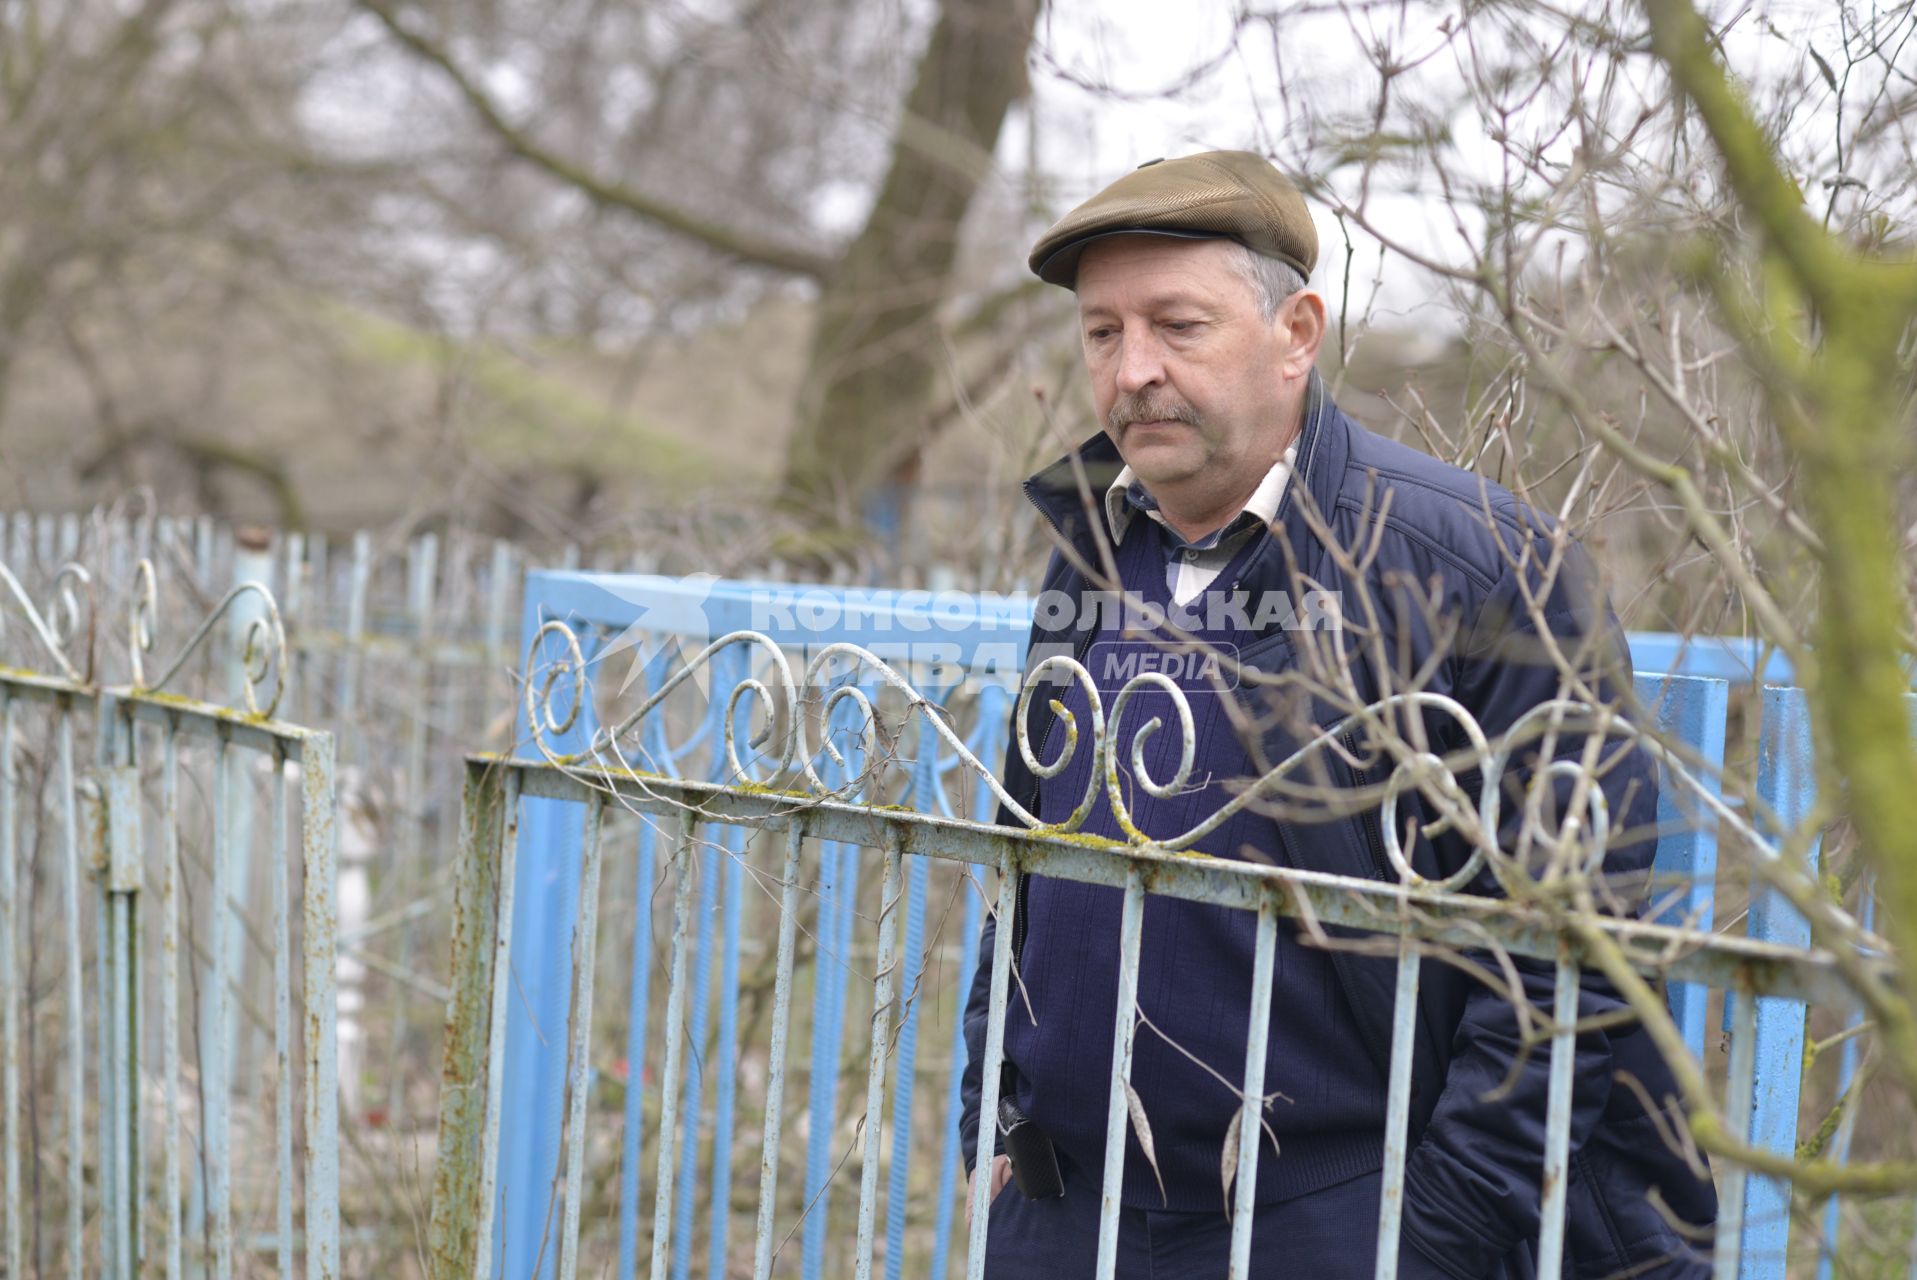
<point x="1077" y="511"/>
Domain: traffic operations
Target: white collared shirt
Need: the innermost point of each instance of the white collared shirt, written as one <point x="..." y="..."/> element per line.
<point x="1195" y="564"/>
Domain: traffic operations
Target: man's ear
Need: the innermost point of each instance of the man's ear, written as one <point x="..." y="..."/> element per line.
<point x="1301" y="328"/>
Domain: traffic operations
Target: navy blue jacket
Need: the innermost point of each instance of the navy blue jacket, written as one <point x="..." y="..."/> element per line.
<point x="1455" y="566"/>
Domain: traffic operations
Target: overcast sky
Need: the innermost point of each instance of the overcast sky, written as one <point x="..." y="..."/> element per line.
<point x="1113" y="87"/>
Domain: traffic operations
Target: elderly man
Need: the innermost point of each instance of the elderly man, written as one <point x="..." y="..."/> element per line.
<point x="1225" y="477"/>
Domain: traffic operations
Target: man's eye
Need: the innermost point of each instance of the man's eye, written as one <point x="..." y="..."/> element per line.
<point x="1181" y="326"/>
<point x="1099" y="335"/>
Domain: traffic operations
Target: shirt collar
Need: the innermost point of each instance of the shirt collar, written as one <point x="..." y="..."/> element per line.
<point x="1128" y="494"/>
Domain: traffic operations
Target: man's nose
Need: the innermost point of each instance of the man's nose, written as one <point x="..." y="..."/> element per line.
<point x="1140" y="364"/>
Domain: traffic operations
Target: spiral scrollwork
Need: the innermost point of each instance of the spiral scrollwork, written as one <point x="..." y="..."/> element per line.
<point x="65" y="619"/>
<point x="790" y="741"/>
<point x="262" y="643"/>
<point x="540" y="685"/>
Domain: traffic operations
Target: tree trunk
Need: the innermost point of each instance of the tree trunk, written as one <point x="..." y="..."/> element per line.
<point x="865" y="404"/>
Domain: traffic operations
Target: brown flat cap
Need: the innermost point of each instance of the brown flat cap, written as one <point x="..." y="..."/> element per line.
<point x="1232" y="195"/>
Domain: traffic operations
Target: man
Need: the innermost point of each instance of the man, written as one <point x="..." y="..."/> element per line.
<point x="1225" y="473"/>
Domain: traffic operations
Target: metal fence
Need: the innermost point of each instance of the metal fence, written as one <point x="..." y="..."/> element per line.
<point x="773" y="812"/>
<point x="175" y="1170"/>
<point x="402" y="644"/>
<point x="838" y="914"/>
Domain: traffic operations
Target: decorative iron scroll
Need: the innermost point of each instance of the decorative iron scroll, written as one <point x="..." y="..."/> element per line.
<point x="66" y="628"/>
<point x="784" y="743"/>
<point x="57" y="628"/>
<point x="262" y="647"/>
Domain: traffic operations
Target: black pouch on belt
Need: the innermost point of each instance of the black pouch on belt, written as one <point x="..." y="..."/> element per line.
<point x="1034" y="1161"/>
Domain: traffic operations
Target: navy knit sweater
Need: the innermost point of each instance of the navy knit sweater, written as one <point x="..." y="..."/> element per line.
<point x="1195" y="967"/>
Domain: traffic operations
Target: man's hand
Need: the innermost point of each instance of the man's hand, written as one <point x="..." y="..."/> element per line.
<point x="1001" y="1174"/>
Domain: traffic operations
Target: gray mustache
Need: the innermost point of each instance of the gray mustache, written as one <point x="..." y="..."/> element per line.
<point x="1137" y="408"/>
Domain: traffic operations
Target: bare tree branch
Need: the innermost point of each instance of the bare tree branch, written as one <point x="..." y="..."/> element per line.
<point x="729" y="241"/>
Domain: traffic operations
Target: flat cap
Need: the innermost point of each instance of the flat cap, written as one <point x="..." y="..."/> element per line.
<point x="1232" y="195"/>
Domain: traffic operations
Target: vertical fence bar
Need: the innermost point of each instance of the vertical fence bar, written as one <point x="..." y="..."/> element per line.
<point x="635" y="1052"/>
<point x="579" y="1069"/>
<point x="838" y="907"/>
<point x="1732" y="1202"/>
<point x="170" y="992"/>
<point x="498" y="606"/>
<point x="422" y="579"/>
<point x="319" y="962"/>
<point x="105" y="977"/>
<point x="675" y="1014"/>
<point x="1557" y="1119"/>
<point x="76" y="1043"/>
<point x="775" y="1061"/>
<point x="1404" y="1021"/>
<point x="353" y="657"/>
<point x="10" y="1243"/>
<point x="501" y="987"/>
<point x="838" y="897"/>
<point x="213" y="1071"/>
<point x="633" y="1137"/>
<point x="402" y="871"/>
<point x="319" y="574"/>
<point x="889" y="895"/>
<point x="1251" y="1116"/>
<point x="638" y="1001"/>
<point x="204" y="551"/>
<point x="726" y="1054"/>
<point x="469" y="1063"/>
<point x="293" y="613"/>
<point x="121" y="877"/>
<point x="253" y="561"/>
<point x="720" y="887"/>
<point x="898" y="1202"/>
<point x="993" y="701"/>
<point x="981" y="1193"/>
<point x="823" y="1077"/>
<point x="282" y="1010"/>
<point x="1118" y="1109"/>
<point x="692" y="1105"/>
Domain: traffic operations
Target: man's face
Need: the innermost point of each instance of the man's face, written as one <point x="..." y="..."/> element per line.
<point x="1192" y="383"/>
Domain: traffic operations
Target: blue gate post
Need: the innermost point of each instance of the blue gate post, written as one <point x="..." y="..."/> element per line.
<point x="1691" y="710"/>
<point x="545" y="901"/>
<point x="1787" y="782"/>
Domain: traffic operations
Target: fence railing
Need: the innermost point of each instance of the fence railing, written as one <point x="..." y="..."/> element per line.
<point x="785" y="926"/>
<point x="519" y="1181"/>
<point x="148" y="1180"/>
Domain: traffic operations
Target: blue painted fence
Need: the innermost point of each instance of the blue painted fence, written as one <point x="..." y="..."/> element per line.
<point x="980" y="640"/>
